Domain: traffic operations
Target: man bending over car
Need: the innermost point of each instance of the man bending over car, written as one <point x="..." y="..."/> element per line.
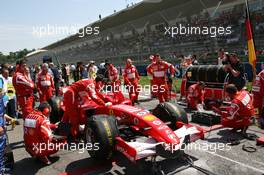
<point x="72" y="98"/>
<point x="241" y="110"/>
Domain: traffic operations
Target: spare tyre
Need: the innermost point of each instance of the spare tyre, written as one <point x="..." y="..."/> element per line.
<point x="56" y="111"/>
<point x="169" y="112"/>
<point x="101" y="131"/>
<point x="191" y="73"/>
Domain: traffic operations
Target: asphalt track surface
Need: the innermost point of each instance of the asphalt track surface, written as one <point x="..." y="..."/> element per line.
<point x="221" y="160"/>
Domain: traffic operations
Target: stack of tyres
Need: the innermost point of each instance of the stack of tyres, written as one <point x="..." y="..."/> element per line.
<point x="206" y="73"/>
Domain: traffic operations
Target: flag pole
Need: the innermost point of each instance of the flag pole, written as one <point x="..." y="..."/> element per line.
<point x="250" y="43"/>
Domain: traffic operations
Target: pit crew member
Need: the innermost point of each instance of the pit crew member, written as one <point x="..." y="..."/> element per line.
<point x="113" y="77"/>
<point x="195" y="95"/>
<point x="131" y="78"/>
<point x="240" y="112"/>
<point x="73" y="97"/>
<point x="38" y="138"/>
<point x="258" y="98"/>
<point x="24" y="87"/>
<point x="45" y="84"/>
<point x="158" y="71"/>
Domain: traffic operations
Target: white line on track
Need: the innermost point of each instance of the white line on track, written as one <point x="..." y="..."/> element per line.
<point x="234" y="161"/>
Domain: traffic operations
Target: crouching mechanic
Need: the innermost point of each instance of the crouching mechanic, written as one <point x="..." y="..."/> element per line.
<point x="240" y="112"/>
<point x="195" y="95"/>
<point x="258" y="98"/>
<point x="72" y="98"/>
<point x="38" y="138"/>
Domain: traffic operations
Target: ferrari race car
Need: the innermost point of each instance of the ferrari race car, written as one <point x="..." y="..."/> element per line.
<point x="135" y="132"/>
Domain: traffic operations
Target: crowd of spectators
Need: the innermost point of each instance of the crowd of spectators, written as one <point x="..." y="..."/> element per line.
<point x="150" y="40"/>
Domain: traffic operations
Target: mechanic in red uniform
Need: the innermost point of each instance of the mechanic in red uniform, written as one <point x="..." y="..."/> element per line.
<point x="158" y="71"/>
<point x="152" y="60"/>
<point x="24" y="87"/>
<point x="113" y="77"/>
<point x="72" y="98"/>
<point x="241" y="110"/>
<point x="38" y="138"/>
<point x="195" y="95"/>
<point x="258" y="98"/>
<point x="45" y="84"/>
<point x="131" y="78"/>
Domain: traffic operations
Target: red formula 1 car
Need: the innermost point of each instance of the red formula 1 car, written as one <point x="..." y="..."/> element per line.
<point x="135" y="132"/>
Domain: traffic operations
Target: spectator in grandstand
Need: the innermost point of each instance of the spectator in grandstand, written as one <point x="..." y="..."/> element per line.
<point x="77" y="72"/>
<point x="221" y="56"/>
<point x="102" y="69"/>
<point x="36" y="70"/>
<point x="92" y="70"/>
<point x="56" y="77"/>
<point x="65" y="71"/>
<point x="84" y="72"/>
<point x="235" y="70"/>
<point x="194" y="60"/>
<point x="72" y="71"/>
<point x="2" y="133"/>
<point x="9" y="91"/>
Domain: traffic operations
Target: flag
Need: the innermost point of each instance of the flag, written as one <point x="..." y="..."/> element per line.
<point x="250" y="43"/>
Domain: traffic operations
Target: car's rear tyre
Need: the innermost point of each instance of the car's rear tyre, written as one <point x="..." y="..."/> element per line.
<point x="56" y="111"/>
<point x="101" y="131"/>
<point x="169" y="112"/>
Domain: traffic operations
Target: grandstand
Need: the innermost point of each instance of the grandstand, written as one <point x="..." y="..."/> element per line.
<point x="139" y="31"/>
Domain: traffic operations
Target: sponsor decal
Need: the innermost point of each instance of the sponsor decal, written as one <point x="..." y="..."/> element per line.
<point x="108" y="131"/>
<point x="142" y="113"/>
<point x="189" y="74"/>
<point x="149" y="118"/>
<point x="111" y="112"/>
<point x="161" y="127"/>
<point x="157" y="122"/>
<point x="136" y="121"/>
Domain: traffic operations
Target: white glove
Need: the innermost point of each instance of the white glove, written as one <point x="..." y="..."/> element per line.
<point x="108" y="104"/>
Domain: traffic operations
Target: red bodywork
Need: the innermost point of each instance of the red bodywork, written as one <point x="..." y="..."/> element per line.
<point x="141" y="121"/>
